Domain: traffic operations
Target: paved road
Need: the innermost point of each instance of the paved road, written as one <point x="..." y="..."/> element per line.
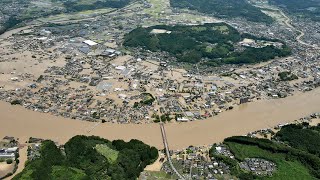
<point x="165" y="142"/>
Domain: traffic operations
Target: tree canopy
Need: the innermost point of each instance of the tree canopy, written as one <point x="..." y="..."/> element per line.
<point x="82" y="160"/>
<point x="216" y="43"/>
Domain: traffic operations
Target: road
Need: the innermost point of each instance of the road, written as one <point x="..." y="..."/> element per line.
<point x="287" y="22"/>
<point x="301" y="33"/>
<point x="165" y="143"/>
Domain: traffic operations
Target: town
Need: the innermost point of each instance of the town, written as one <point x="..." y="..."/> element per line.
<point x="209" y="162"/>
<point x="81" y="71"/>
<point x="70" y="60"/>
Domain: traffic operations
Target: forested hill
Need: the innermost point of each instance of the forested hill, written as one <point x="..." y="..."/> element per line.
<point x="90" y="158"/>
<point x="291" y="162"/>
<point x="81" y="5"/>
<point x="216" y="44"/>
<point x="301" y="137"/>
<point x="302" y="8"/>
<point x="224" y="9"/>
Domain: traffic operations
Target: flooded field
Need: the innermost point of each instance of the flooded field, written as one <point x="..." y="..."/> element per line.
<point x="19" y="122"/>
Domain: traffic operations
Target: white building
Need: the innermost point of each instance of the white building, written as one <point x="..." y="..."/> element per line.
<point x="90" y="43"/>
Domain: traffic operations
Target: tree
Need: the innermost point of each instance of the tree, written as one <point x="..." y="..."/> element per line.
<point x="163" y="118"/>
<point x="135" y="105"/>
<point x="16" y="102"/>
<point x="9" y="161"/>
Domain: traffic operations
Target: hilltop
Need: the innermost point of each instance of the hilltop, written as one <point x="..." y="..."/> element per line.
<point x="91" y="157"/>
<point x="217" y="44"/>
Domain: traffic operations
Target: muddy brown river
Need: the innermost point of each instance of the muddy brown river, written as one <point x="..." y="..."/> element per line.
<point x="22" y="123"/>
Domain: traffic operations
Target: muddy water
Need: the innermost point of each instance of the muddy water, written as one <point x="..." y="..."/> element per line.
<point x="13" y="31"/>
<point x="19" y="122"/>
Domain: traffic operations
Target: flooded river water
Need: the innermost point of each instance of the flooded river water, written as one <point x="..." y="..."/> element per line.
<point x="19" y="122"/>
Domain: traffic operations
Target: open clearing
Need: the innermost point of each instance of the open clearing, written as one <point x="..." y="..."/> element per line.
<point x="107" y="152"/>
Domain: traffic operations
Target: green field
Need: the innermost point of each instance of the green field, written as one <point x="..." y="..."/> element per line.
<point x="158" y="175"/>
<point x="285" y="169"/>
<point x="106" y="151"/>
<point x="62" y="172"/>
<point x="224" y="9"/>
<point x="82" y="5"/>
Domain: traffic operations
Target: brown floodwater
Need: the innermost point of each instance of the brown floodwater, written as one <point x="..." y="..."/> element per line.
<point x="22" y="123"/>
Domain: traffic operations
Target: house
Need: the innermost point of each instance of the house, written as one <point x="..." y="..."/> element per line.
<point x="12" y="150"/>
<point x="84" y="49"/>
<point x="7" y="155"/>
<point x="182" y="119"/>
<point x="244" y="100"/>
<point x="163" y="63"/>
<point x="90" y="43"/>
<point x="189" y="114"/>
<point x="8" y="138"/>
<point x="110" y="51"/>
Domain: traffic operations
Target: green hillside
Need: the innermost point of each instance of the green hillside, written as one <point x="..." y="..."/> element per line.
<point x="216" y="44"/>
<point x="224" y="9"/>
<point x="291" y="163"/>
<point x="90" y="158"/>
<point x="302" y="8"/>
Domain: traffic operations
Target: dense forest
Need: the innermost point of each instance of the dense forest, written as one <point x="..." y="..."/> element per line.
<point x="301" y="137"/>
<point x="212" y="42"/>
<point x="90" y="158"/>
<point x="224" y="9"/>
<point x="292" y="163"/>
<point x="74" y="6"/>
<point x="302" y="8"/>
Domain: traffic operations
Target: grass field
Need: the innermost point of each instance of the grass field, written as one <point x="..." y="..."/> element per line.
<point x="60" y="172"/>
<point x="292" y="170"/>
<point x="158" y="175"/>
<point x="107" y="152"/>
<point x="158" y="6"/>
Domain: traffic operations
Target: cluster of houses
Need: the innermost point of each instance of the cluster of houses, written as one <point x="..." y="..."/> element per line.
<point x="258" y="166"/>
<point x="9" y="148"/>
<point x="79" y="89"/>
<point x="8" y="153"/>
<point x="196" y="163"/>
